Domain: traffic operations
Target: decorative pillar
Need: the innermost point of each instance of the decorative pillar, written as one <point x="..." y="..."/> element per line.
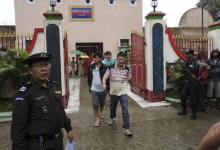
<point x="154" y="57"/>
<point x="214" y="33"/>
<point x="54" y="45"/>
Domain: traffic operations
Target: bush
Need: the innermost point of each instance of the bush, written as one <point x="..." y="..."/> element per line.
<point x="11" y="66"/>
<point x="127" y="53"/>
<point x="177" y="79"/>
<point x="6" y="105"/>
<point x="12" y="71"/>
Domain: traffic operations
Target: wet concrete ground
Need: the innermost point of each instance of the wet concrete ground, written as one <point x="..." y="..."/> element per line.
<point x="157" y="128"/>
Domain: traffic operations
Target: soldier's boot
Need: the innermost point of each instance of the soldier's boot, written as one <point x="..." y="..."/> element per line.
<point x="182" y="112"/>
<point x="194" y="116"/>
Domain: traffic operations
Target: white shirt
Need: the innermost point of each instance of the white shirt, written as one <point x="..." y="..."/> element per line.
<point x="96" y="81"/>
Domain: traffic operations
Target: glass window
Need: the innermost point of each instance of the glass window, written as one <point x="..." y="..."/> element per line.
<point x="88" y="1"/>
<point x="124" y="42"/>
<point x="133" y="2"/>
<point x="30" y="1"/>
<point x="111" y="2"/>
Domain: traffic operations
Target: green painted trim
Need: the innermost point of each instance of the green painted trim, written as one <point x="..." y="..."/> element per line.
<point x="53" y="17"/>
<point x="155" y="17"/>
<point x="214" y="28"/>
<point x="172" y="100"/>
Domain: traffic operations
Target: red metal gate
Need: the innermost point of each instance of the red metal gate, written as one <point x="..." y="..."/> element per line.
<point x="66" y="70"/>
<point x="138" y="67"/>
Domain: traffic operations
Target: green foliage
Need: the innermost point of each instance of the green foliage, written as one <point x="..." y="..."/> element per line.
<point x="6" y="105"/>
<point x="127" y="52"/>
<point x="177" y="79"/>
<point x="213" y="6"/>
<point x="177" y="72"/>
<point x="11" y="65"/>
<point x="11" y="68"/>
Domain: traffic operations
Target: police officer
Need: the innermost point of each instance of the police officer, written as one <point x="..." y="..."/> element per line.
<point x="38" y="113"/>
<point x="190" y="85"/>
<point x="214" y="77"/>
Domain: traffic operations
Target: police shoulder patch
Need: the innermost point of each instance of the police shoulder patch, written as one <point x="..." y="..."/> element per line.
<point x="23" y="89"/>
<point x="58" y="92"/>
<point x="19" y="98"/>
<point x="53" y="82"/>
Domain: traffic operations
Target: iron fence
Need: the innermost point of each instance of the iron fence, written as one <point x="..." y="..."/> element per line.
<point x="201" y="44"/>
<point x="13" y="40"/>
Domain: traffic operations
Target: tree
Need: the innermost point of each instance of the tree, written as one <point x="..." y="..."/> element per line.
<point x="11" y="66"/>
<point x="12" y="74"/>
<point x="213" y="6"/>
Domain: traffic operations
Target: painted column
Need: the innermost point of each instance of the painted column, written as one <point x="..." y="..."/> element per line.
<point x="54" y="45"/>
<point x="154" y="57"/>
<point x="214" y="33"/>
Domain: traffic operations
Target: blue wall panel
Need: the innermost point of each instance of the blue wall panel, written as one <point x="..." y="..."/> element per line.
<point x="158" y="61"/>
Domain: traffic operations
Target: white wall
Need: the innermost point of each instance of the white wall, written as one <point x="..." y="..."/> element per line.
<point x="39" y="44"/>
<point x="111" y="22"/>
<point x="169" y="54"/>
<point x="215" y="35"/>
<point x="149" y="52"/>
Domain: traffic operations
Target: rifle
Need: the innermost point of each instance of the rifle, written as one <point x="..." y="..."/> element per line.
<point x="190" y="75"/>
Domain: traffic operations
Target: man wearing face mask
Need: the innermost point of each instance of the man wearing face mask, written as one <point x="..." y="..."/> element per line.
<point x="214" y="77"/>
<point x="38" y="113"/>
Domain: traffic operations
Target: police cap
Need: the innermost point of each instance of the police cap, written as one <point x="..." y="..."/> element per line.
<point x="189" y="51"/>
<point x="37" y="58"/>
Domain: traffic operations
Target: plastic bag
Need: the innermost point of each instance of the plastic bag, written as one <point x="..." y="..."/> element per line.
<point x="70" y="146"/>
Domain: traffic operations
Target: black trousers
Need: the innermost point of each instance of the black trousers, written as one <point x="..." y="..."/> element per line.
<point x="201" y="91"/>
<point x="47" y="144"/>
<point x="189" y="92"/>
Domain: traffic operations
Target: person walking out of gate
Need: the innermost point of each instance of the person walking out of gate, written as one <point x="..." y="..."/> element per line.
<point x="214" y="77"/>
<point x="108" y="60"/>
<point x="189" y="90"/>
<point x="38" y="113"/>
<point x="95" y="74"/>
<point x="81" y="69"/>
<point x="73" y="66"/>
<point x="118" y="75"/>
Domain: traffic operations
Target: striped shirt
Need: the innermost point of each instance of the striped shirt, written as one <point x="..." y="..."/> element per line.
<point x="118" y="80"/>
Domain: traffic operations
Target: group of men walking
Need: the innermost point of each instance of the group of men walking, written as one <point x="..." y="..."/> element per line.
<point x="201" y="82"/>
<point x="38" y="114"/>
<point x="109" y="77"/>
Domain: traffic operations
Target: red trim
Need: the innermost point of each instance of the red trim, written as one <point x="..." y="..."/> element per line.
<point x="33" y="41"/>
<point x="156" y="14"/>
<point x="214" y="25"/>
<point x="138" y="81"/>
<point x="173" y="44"/>
<point x="155" y="98"/>
<point x="66" y="72"/>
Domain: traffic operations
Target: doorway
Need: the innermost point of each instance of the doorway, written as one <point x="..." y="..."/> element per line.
<point x="90" y="48"/>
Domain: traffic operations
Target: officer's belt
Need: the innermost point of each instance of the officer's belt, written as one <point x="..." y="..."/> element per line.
<point x="47" y="137"/>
